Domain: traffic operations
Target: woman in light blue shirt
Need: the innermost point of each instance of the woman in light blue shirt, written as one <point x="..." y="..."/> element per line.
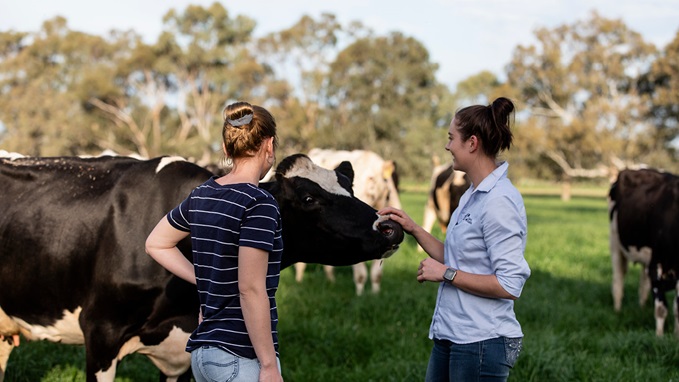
<point x="481" y="266"/>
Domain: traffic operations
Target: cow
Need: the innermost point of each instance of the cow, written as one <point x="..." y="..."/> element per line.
<point x="445" y="190"/>
<point x="74" y="269"/>
<point x="644" y="228"/>
<point x="375" y="183"/>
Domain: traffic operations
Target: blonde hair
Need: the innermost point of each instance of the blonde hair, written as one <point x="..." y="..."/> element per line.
<point x="246" y="126"/>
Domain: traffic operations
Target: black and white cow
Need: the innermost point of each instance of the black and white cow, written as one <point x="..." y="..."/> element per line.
<point x="644" y="228"/>
<point x="445" y="190"/>
<point x="74" y="270"/>
<point x="375" y="183"/>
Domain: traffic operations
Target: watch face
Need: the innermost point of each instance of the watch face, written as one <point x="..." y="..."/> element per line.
<point x="449" y="274"/>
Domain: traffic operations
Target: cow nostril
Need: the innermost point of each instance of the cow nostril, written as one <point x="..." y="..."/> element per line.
<point x="387" y="231"/>
<point x="391" y="230"/>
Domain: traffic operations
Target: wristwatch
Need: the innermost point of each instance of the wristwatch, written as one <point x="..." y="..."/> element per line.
<point x="449" y="275"/>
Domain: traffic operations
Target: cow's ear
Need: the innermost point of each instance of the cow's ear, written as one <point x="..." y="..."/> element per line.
<point x="345" y="169"/>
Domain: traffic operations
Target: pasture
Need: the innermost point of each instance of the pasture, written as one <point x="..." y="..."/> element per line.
<point x="329" y="334"/>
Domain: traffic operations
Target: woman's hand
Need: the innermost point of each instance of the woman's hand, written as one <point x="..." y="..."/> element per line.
<point x="400" y="217"/>
<point x="430" y="270"/>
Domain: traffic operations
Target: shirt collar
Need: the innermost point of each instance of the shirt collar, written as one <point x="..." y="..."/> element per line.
<point x="489" y="182"/>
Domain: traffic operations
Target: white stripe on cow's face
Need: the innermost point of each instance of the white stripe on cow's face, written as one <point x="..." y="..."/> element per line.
<point x="167" y="160"/>
<point x="66" y="330"/>
<point x="326" y="179"/>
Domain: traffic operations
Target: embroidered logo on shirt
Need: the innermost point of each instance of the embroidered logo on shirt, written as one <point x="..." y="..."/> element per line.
<point x="467" y="218"/>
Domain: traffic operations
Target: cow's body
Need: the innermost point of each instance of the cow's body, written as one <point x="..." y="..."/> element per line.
<point x="74" y="270"/>
<point x="644" y="228"/>
<point x="374" y="183"/>
<point x="445" y="190"/>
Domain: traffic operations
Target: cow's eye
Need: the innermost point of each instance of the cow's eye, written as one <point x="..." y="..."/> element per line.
<point x="309" y="199"/>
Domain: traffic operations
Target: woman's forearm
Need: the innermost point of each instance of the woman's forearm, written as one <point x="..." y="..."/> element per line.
<point x="257" y="315"/>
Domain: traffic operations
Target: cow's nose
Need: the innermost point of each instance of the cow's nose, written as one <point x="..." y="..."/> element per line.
<point x="392" y="231"/>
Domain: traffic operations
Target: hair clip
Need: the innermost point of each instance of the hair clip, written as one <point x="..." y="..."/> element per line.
<point x="244" y="120"/>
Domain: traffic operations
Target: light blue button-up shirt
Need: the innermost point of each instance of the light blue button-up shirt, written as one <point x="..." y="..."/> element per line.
<point x="486" y="235"/>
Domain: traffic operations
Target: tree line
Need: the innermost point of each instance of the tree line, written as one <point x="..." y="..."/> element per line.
<point x="592" y="96"/>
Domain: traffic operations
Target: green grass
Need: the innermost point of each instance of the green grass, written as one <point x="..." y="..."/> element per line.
<point x="329" y="334"/>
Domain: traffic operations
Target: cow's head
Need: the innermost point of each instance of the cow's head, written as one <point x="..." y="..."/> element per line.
<point x="323" y="221"/>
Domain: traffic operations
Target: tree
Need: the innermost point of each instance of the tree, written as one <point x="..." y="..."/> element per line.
<point x="169" y="95"/>
<point x="382" y="95"/>
<point x="39" y="107"/>
<point x="661" y="85"/>
<point x="579" y="84"/>
<point x="302" y="55"/>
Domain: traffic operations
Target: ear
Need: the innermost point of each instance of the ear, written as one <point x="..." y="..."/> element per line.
<point x="224" y="150"/>
<point x="269" y="146"/>
<point x="345" y="169"/>
<point x="473" y="143"/>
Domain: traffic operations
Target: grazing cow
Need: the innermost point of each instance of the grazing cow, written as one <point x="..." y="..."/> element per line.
<point x="644" y="228"/>
<point x="445" y="190"/>
<point x="74" y="270"/>
<point x="375" y="183"/>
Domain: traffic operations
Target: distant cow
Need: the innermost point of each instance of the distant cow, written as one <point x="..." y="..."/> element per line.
<point x="74" y="270"/>
<point x="375" y="183"/>
<point x="445" y="190"/>
<point x="644" y="228"/>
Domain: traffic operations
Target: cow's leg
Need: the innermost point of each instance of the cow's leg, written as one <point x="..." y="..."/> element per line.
<point x="360" y="277"/>
<point x="676" y="310"/>
<point x="428" y="220"/>
<point x="376" y="275"/>
<point x="101" y="350"/>
<point x="329" y="272"/>
<point x="660" y="315"/>
<point x="6" y="346"/>
<point x="619" y="262"/>
<point x="9" y="338"/>
<point x="299" y="271"/>
<point x="644" y="285"/>
<point x="107" y="375"/>
<point x="655" y="273"/>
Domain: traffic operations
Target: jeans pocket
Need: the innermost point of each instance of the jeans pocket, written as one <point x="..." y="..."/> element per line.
<point x="513" y="349"/>
<point x="218" y="365"/>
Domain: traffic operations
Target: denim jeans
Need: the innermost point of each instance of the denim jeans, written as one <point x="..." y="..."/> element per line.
<point x="488" y="360"/>
<point x="212" y="364"/>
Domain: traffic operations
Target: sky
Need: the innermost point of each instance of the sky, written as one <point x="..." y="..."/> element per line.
<point x="463" y="37"/>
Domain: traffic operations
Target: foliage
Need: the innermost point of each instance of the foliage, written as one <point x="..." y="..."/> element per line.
<point x="580" y="86"/>
<point x="383" y="96"/>
<point x="566" y="312"/>
<point x="662" y="86"/>
<point x="592" y="96"/>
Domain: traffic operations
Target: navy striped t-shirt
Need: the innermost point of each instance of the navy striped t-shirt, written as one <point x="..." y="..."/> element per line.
<point x="220" y="220"/>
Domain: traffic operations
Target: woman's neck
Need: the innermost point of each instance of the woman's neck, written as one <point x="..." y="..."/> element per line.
<point x="243" y="171"/>
<point x="480" y="170"/>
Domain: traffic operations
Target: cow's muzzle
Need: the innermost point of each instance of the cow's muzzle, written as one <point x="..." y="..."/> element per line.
<point x="392" y="231"/>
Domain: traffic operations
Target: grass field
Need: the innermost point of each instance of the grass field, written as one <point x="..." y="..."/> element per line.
<point x="329" y="334"/>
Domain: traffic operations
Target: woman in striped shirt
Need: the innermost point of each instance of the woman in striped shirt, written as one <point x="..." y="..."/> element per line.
<point x="236" y="238"/>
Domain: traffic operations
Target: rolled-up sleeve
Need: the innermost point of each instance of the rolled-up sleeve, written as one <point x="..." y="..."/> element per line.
<point x="505" y="232"/>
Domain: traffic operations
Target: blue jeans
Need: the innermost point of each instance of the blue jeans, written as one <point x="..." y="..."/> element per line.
<point x="212" y="364"/>
<point x="488" y="360"/>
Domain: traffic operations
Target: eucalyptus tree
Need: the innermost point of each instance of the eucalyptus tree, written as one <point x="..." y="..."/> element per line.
<point x="382" y="95"/>
<point x="579" y="83"/>
<point x="662" y="88"/>
<point x="300" y="56"/>
<point x="169" y="95"/>
<point x="40" y="73"/>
